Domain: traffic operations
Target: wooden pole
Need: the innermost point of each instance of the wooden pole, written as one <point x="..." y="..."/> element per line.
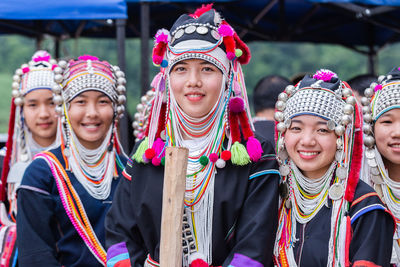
<point x="172" y="208"/>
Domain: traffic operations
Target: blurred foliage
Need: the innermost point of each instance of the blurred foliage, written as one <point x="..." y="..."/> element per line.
<point x="286" y="59"/>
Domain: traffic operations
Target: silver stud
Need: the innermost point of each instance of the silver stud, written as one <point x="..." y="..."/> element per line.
<point x="367" y="117"/>
<point x="367" y="128"/>
<point x="15" y="85"/>
<point x="18" y="101"/>
<point x="339" y="130"/>
<point x="281" y="127"/>
<point x="121" y="81"/>
<point x="283" y="97"/>
<point x="120" y="109"/>
<point x="58" y="100"/>
<point x="15" y="93"/>
<point x="19" y="72"/>
<point x="346" y="119"/>
<point x="348" y="109"/>
<point x="351" y="100"/>
<point x="202" y="30"/>
<point x="190" y="29"/>
<point x="59" y="110"/>
<point x="366" y="109"/>
<point x="280" y="105"/>
<point x="121" y="99"/>
<point x="63" y="64"/>
<point x="58" y="70"/>
<point x="58" y="78"/>
<point x="56" y="89"/>
<point x="215" y="35"/>
<point x="289" y="89"/>
<point x="16" y="78"/>
<point x="369" y="92"/>
<point x="369" y="141"/>
<point x="381" y="78"/>
<point x="278" y="116"/>
<point x="140" y="107"/>
<point x="347" y="92"/>
<point x="119" y="74"/>
<point x="331" y="125"/>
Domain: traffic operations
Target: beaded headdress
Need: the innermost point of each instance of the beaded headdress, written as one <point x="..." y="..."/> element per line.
<point x="325" y="96"/>
<point x="201" y="35"/>
<point x="36" y="74"/>
<point x="85" y="74"/>
<point x="379" y="98"/>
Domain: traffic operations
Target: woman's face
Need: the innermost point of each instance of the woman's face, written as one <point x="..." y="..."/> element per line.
<point x="91" y="115"/>
<point x="387" y="137"/>
<point x="40" y="116"/>
<point x="196" y="85"/>
<point x="311" y="145"/>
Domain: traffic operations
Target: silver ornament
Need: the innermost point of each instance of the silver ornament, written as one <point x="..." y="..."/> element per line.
<point x="367" y="128"/>
<point x="279" y="116"/>
<point x="288" y="204"/>
<point x="336" y="191"/>
<point x="372" y="163"/>
<point x="56" y="89"/>
<point x="366" y="109"/>
<point x="57" y="99"/>
<point x="15" y="85"/>
<point x="377" y="179"/>
<point x="63" y="64"/>
<point x="280" y="105"/>
<point x="121" y="81"/>
<point x="16" y="78"/>
<point x="331" y="125"/>
<point x="19" y="72"/>
<point x="58" y="70"/>
<point x="283" y="97"/>
<point x="59" y="110"/>
<point x="58" y="78"/>
<point x="346" y="119"/>
<point x="364" y="101"/>
<point x="341" y="173"/>
<point x="67" y="152"/>
<point x="120" y="109"/>
<point x="140" y="107"/>
<point x="289" y="89"/>
<point x="348" y="109"/>
<point x="24" y="157"/>
<point x="121" y="99"/>
<point x="284" y="170"/>
<point x="381" y="78"/>
<point x="15" y="93"/>
<point x="347" y="92"/>
<point x="120" y="74"/>
<point x="18" y="101"/>
<point x="351" y="100"/>
<point x="339" y="130"/>
<point x="369" y="141"/>
<point x="281" y="127"/>
<point x="369" y="92"/>
<point x="121" y="89"/>
<point x="367" y="117"/>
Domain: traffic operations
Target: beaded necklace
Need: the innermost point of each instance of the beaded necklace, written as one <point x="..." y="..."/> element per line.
<point x="73" y="207"/>
<point x="203" y="136"/>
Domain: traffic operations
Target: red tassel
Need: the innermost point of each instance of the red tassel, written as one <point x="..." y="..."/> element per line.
<point x="9" y="144"/>
<point x="355" y="167"/>
<point x="348" y="241"/>
<point x="229" y="43"/>
<point x="234" y="127"/>
<point x="201" y="10"/>
<point x="244" y="122"/>
<point x="245" y="57"/>
<point x="161" y="120"/>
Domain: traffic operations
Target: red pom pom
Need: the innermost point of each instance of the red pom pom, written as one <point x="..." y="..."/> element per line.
<point x="226" y="155"/>
<point x="149" y="153"/>
<point x="213" y="157"/>
<point x="236" y="104"/>
<point x="156" y="161"/>
<point x="198" y="263"/>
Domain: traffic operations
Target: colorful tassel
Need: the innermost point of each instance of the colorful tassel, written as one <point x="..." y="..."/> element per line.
<point x="246" y="55"/>
<point x="161" y="40"/>
<point x="236" y="104"/>
<point x="254" y="149"/>
<point x="144" y="145"/>
<point x="158" y="147"/>
<point x="239" y="154"/>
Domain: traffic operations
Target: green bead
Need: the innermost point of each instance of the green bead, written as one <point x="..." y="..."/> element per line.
<point x="238" y="52"/>
<point x="163" y="161"/>
<point x="204" y="160"/>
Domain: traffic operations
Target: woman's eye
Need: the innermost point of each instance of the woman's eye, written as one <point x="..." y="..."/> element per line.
<point x="179" y="69"/>
<point x="294" y="128"/>
<point x="323" y="130"/>
<point x="208" y="69"/>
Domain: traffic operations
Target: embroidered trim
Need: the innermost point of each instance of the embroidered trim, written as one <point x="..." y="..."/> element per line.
<point x="363" y="197"/>
<point x="364" y="263"/>
<point x="365" y="210"/>
<point x="265" y="172"/>
<point x="35" y="189"/>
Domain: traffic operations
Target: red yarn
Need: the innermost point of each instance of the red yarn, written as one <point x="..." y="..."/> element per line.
<point x="161" y="120"/>
<point x="355" y="167"/>
<point x="347" y="242"/>
<point x="245" y="57"/>
<point x="226" y="155"/>
<point x="9" y="144"/>
<point x="158" y="52"/>
<point x="149" y="153"/>
<point x="201" y="10"/>
<point x="234" y="127"/>
<point x="244" y="123"/>
<point x="229" y="43"/>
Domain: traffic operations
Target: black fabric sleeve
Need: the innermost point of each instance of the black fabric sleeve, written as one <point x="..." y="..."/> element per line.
<point x="35" y="240"/>
<point x="372" y="238"/>
<point x="121" y="226"/>
<point x="257" y="223"/>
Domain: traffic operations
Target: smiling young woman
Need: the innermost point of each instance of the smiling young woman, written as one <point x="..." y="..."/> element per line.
<point x="231" y="198"/>
<point x="326" y="214"/>
<point x="381" y="168"/>
<point x="70" y="189"/>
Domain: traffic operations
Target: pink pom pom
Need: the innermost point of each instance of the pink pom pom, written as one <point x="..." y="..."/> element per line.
<point x="225" y="30"/>
<point x="156" y="161"/>
<point x="54" y="66"/>
<point x="157" y="59"/>
<point x="88" y="57"/>
<point x="149" y="153"/>
<point x="254" y="149"/>
<point x="213" y="157"/>
<point x="25" y="70"/>
<point x="162" y="36"/>
<point x="230" y="55"/>
<point x="324" y="75"/>
<point x="158" y="147"/>
<point x="236" y="104"/>
<point x="378" y="87"/>
<point x="41" y="55"/>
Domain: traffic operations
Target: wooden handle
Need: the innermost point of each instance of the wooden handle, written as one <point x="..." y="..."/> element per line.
<point x="176" y="159"/>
